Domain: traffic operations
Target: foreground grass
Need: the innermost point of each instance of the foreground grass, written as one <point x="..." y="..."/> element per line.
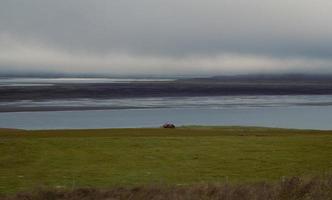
<point x="287" y="189"/>
<point x="191" y="155"/>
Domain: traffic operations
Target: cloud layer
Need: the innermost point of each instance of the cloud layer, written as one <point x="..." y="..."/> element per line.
<point x="166" y="37"/>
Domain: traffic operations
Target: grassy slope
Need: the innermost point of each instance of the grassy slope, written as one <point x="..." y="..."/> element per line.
<point x="104" y="158"/>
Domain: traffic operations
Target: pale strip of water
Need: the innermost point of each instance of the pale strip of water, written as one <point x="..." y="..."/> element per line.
<point x="176" y="102"/>
<point x="29" y="82"/>
<point x="303" y="117"/>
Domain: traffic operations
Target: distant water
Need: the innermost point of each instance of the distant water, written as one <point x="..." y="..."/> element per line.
<point x="29" y="82"/>
<point x="211" y="102"/>
<point x="304" y="112"/>
<point x="294" y="111"/>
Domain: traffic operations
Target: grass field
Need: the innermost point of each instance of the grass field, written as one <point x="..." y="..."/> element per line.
<point x="188" y="155"/>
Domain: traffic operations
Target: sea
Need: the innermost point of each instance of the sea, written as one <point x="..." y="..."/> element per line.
<point x="280" y="111"/>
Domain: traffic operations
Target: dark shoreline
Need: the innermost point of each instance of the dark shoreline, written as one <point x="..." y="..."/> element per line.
<point x="11" y="109"/>
<point x="157" y="89"/>
<point x="208" y="87"/>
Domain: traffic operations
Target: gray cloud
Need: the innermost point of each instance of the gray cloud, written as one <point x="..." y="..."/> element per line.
<point x="174" y="36"/>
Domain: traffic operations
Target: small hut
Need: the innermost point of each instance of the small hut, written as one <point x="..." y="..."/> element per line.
<point x="168" y="125"/>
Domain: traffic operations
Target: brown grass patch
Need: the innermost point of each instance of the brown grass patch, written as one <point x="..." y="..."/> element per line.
<point x="292" y="188"/>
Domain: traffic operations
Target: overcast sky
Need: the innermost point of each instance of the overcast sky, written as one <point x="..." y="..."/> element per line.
<point x="166" y="37"/>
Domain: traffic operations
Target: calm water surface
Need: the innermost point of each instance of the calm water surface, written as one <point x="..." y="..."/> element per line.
<point x="304" y="112"/>
<point x="303" y="117"/>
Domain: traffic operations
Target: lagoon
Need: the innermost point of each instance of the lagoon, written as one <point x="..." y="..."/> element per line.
<point x="300" y="117"/>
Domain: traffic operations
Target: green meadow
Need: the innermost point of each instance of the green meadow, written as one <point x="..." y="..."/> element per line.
<point x="181" y="156"/>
